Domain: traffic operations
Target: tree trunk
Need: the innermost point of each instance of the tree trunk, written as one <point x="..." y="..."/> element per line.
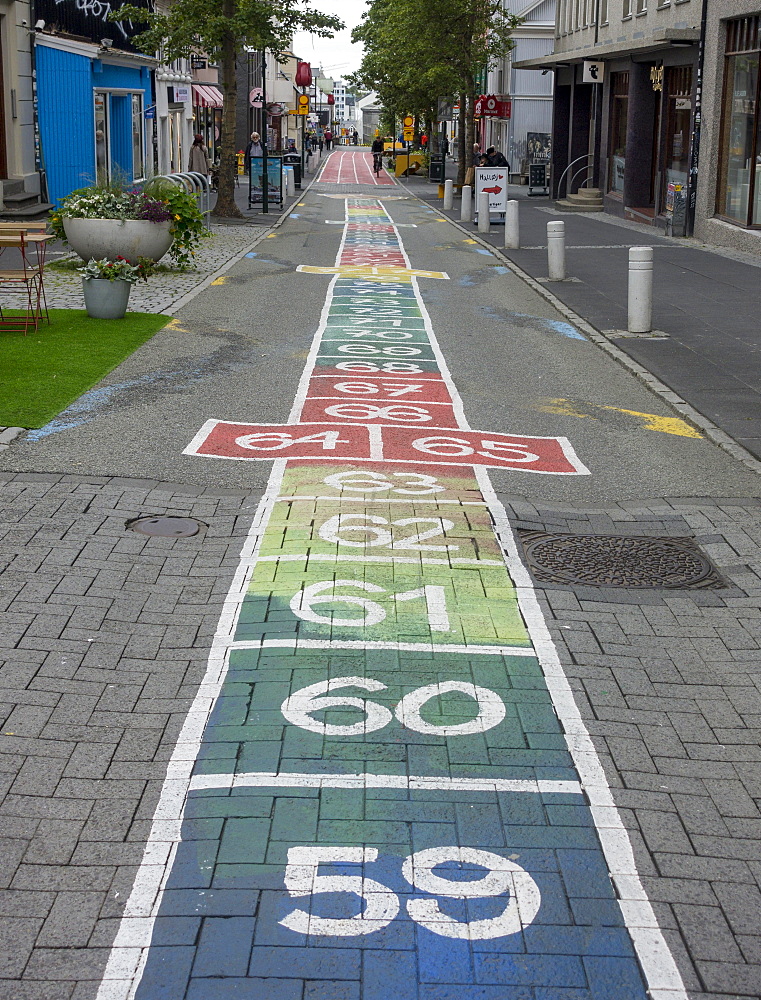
<point x="463" y="151"/>
<point x="471" y="122"/>
<point x="228" y="167"/>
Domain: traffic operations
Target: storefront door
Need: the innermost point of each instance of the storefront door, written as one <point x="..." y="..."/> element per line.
<point x="102" y="138"/>
<point x="675" y="163"/>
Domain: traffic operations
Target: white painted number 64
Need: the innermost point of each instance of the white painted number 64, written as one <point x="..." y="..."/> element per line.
<point x="381" y="905"/>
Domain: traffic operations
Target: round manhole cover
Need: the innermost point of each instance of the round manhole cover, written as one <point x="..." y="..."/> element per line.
<point x="615" y="561"/>
<point x="166" y="527"/>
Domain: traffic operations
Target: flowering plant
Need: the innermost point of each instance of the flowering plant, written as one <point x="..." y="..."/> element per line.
<point x="119" y="269"/>
<point x="159" y="201"/>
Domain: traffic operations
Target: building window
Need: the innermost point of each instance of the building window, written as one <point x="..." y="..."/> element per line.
<point x="739" y="188"/>
<point x="627" y="12"/>
<point x="138" y="134"/>
<point x="619" y="113"/>
<point x="641" y="6"/>
<point x="603" y="11"/>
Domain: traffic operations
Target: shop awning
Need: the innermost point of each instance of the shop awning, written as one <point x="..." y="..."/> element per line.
<point x="206" y="96"/>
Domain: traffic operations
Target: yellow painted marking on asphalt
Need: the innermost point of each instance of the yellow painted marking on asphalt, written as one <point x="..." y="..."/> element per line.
<point x="174" y="324"/>
<point x="470" y="241"/>
<point x="375" y="272"/>
<point x="648" y="421"/>
<point x="564" y="407"/>
<point x="665" y="425"/>
<point x="271" y="236"/>
<point x="219" y="281"/>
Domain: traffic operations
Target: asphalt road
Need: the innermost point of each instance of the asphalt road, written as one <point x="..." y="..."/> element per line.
<point x="236" y="352"/>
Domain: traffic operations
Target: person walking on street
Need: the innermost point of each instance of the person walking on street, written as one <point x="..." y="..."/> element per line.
<point x="254" y="148"/>
<point x="199" y="161"/>
<point x="493" y="158"/>
<point x="328" y="139"/>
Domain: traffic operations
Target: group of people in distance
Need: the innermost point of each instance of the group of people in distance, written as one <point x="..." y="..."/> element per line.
<point x="490" y="158"/>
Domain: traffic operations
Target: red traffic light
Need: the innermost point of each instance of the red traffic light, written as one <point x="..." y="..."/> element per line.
<point x="303" y="75"/>
<point x="331" y="99"/>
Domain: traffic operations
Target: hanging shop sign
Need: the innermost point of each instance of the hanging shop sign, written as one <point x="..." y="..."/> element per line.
<point x="493" y="106"/>
<point x="593" y="72"/>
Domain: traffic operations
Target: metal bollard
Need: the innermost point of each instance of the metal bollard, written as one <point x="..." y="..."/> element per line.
<point x="512" y="226"/>
<point x="483" y="213"/>
<point x="290" y="181"/>
<point x="556" y="250"/>
<point x="448" y="195"/>
<point x="466" y="208"/>
<point x="640" y="289"/>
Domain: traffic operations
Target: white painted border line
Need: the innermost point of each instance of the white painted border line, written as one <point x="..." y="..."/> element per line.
<point x="285" y="779"/>
<point x="126" y="963"/>
<point x="405" y="647"/>
<point x="338" y="557"/>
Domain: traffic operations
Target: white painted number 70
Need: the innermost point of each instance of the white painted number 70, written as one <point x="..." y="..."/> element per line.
<point x="381" y="905"/>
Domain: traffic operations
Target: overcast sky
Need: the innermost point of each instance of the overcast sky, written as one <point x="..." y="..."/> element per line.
<point x="337" y="55"/>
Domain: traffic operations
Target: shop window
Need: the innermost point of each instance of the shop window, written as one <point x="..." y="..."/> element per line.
<point x="619" y="113"/>
<point x="739" y="186"/>
<point x="138" y="135"/>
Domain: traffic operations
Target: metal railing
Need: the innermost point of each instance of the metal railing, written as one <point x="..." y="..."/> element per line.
<point x="194" y="183"/>
<point x="586" y="167"/>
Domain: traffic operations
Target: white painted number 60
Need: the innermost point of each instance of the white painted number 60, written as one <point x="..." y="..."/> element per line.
<point x="299" y="706"/>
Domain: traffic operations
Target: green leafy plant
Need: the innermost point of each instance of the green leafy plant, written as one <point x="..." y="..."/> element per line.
<point x="188" y="227"/>
<point x="118" y="270"/>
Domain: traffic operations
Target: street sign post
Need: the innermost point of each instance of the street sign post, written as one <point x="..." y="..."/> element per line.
<point x="493" y="181"/>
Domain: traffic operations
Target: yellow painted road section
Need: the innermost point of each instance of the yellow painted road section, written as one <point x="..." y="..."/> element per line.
<point x="648" y="421"/>
<point x="219" y="281"/>
<point x="664" y="425"/>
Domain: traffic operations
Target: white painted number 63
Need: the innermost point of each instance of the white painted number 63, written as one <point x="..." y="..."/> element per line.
<point x="381" y="905"/>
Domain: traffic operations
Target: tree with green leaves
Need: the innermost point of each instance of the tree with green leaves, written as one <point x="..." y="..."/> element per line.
<point x="222" y="29"/>
<point x="416" y="52"/>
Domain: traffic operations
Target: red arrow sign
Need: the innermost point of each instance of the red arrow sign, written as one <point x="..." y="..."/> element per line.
<point x="493" y="190"/>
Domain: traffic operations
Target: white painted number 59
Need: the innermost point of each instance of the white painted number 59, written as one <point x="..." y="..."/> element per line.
<point x="379" y="905"/>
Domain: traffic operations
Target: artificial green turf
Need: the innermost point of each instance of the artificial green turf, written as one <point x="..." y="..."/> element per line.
<point x="42" y="373"/>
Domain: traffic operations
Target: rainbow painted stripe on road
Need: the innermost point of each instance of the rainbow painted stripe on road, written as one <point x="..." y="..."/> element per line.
<point x="384" y="788"/>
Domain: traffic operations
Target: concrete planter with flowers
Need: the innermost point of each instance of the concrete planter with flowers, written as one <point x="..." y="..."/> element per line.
<point x="106" y="285"/>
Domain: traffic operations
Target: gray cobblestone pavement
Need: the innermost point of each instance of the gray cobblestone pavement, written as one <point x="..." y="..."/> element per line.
<point x="105" y="637"/>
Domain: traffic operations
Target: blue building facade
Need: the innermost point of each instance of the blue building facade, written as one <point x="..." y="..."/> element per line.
<point x="94" y="89"/>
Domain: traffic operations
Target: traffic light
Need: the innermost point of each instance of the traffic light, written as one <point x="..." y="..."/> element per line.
<point x="303" y="104"/>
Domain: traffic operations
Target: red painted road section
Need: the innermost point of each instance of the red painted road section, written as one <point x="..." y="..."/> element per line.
<point x="346" y="166"/>
<point x="337" y="441"/>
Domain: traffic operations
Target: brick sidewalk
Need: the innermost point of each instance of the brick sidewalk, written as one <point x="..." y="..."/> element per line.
<point x="105" y="641"/>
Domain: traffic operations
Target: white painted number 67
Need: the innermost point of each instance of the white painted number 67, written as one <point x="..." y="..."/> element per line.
<point x="380" y="905"/>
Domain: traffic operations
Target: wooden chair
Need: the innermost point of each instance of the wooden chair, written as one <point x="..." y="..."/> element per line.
<point x="27" y="279"/>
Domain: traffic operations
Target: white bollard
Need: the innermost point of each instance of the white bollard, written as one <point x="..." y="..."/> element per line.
<point x="483" y="213"/>
<point x="640" y="289"/>
<point x="466" y="208"/>
<point x="290" y="181"/>
<point x="448" y="195"/>
<point x="556" y="250"/>
<point x="512" y="226"/>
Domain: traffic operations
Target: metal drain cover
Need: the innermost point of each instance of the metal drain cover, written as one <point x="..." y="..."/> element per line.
<point x="618" y="561"/>
<point x="166" y="527"/>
